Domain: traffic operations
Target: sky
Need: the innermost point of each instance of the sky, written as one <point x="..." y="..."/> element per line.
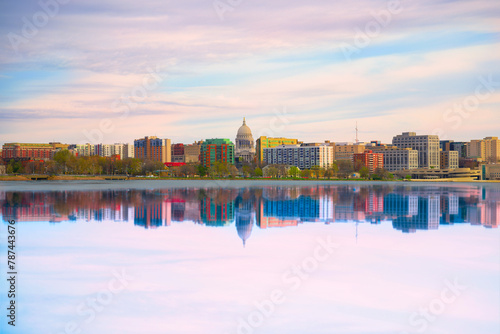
<point x="117" y="70"/>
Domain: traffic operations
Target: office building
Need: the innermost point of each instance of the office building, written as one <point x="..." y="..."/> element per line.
<point x="426" y="145"/>
<point x="217" y="149"/>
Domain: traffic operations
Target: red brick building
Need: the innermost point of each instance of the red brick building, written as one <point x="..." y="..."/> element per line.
<point x="368" y="159"/>
<point x="22" y="151"/>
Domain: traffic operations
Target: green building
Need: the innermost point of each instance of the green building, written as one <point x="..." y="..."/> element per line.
<point x="216" y="150"/>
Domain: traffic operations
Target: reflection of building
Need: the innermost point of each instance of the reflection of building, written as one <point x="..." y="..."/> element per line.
<point x="153" y="214"/>
<point x="427" y="217"/>
<point x="216" y="213"/>
<point x="244" y="218"/>
<point x="244" y="145"/>
<point x="304" y="208"/>
<point x="410" y="208"/>
<point x="491" y="197"/>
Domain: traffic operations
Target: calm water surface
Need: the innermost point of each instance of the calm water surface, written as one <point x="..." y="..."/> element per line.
<point x="242" y="257"/>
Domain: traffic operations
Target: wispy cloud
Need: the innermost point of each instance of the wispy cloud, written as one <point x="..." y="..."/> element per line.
<point x="262" y="56"/>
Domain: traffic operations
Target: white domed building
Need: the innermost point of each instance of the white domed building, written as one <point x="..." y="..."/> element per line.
<point x="244" y="144"/>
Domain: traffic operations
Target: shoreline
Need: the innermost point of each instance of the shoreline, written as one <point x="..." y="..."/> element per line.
<point x="46" y="178"/>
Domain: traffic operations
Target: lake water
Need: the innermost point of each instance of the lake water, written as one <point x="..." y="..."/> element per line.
<point x="252" y="257"/>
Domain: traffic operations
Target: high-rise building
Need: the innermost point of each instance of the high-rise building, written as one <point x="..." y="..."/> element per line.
<point x="153" y="148"/>
<point x="448" y="159"/>
<point x="426" y="145"/>
<point x="346" y="151"/>
<point x="487" y="149"/>
<point x="244" y="144"/>
<point x="217" y="149"/>
<point x="304" y="156"/>
<point x="368" y="159"/>
<point x="268" y="142"/>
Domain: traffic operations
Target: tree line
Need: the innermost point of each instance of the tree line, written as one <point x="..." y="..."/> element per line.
<point x="64" y="162"/>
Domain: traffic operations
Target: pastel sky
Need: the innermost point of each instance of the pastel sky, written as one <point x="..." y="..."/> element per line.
<point x="193" y="69"/>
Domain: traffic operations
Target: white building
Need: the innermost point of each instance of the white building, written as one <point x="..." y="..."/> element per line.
<point x="303" y="156"/>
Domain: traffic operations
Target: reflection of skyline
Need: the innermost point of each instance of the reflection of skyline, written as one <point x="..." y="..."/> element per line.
<point x="408" y="208"/>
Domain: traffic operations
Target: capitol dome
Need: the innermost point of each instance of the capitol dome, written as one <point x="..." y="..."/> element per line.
<point x="245" y="146"/>
<point x="244" y="130"/>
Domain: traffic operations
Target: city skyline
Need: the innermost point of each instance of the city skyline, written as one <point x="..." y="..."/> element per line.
<point x="232" y="139"/>
<point x="429" y="67"/>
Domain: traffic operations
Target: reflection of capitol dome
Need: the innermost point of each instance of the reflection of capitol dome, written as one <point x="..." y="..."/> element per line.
<point x="244" y="144"/>
<point x="244" y="218"/>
